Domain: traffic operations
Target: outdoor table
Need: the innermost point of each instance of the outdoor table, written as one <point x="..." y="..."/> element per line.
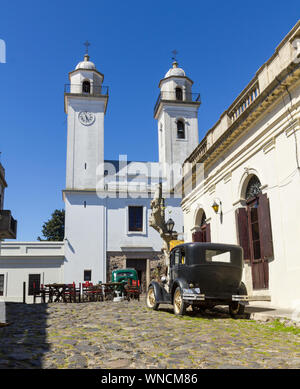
<point x="109" y="289"/>
<point x="58" y="291"/>
<point x="93" y="292"/>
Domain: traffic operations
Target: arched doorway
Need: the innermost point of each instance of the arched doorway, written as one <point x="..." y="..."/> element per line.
<point x="86" y="87"/>
<point x="255" y="232"/>
<point x="180" y="129"/>
<point x="202" y="233"/>
<point x="179" y="95"/>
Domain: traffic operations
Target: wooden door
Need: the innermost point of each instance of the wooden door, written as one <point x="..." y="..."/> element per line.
<point x="203" y="235"/>
<point x="261" y="245"/>
<point x="255" y="237"/>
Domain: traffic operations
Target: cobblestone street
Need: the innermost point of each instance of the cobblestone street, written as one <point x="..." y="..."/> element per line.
<point x="128" y="335"/>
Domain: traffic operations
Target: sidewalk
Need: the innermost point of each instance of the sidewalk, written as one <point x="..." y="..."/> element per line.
<point x="263" y="311"/>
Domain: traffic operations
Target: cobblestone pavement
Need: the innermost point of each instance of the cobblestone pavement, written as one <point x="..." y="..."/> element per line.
<point x="128" y="335"/>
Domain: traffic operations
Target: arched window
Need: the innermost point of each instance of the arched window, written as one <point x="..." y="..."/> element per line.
<point x="178" y="92"/>
<point x="253" y="188"/>
<point x="86" y="87"/>
<point x="203" y="219"/>
<point x="202" y="234"/>
<point x="180" y="130"/>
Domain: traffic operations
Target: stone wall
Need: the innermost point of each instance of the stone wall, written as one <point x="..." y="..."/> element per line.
<point x="155" y="260"/>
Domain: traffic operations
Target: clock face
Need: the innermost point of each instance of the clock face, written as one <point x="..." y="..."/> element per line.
<point x="86" y="118"/>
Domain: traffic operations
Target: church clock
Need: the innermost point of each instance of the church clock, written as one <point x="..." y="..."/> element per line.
<point x="86" y="118"/>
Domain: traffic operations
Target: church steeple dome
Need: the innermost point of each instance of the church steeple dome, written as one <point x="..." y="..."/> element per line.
<point x="175" y="71"/>
<point x="86" y="64"/>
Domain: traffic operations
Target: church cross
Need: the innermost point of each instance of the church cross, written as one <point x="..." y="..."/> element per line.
<point x="87" y="44"/>
<point x="175" y="52"/>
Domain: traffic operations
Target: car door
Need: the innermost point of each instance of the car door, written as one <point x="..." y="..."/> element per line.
<point x="175" y="260"/>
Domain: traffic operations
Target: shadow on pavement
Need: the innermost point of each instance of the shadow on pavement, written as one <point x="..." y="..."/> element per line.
<point x="23" y="342"/>
<point x="219" y="312"/>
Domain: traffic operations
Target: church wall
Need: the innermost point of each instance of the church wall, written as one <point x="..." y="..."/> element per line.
<point x="145" y="246"/>
<point x="85" y="150"/>
<point x="119" y="238"/>
<point x="85" y="242"/>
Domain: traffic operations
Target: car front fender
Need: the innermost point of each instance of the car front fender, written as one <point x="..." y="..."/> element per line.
<point x="179" y="282"/>
<point x="157" y="290"/>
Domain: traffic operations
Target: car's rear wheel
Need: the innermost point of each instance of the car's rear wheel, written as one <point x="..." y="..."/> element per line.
<point x="151" y="300"/>
<point x="178" y="304"/>
<point x="236" y="308"/>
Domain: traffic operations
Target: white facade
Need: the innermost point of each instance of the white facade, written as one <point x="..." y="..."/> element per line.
<point x="256" y="137"/>
<point x="18" y="260"/>
<point x="100" y="194"/>
<point x="98" y="200"/>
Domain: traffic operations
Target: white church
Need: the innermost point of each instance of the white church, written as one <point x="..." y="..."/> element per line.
<point x="107" y="203"/>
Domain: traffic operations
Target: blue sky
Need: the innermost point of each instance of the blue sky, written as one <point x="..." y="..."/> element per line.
<point x="221" y="45"/>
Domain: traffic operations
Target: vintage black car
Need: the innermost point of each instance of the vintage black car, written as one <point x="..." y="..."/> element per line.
<point x="202" y="275"/>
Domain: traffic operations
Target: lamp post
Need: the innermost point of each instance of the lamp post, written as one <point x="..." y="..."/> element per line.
<point x="170" y="225"/>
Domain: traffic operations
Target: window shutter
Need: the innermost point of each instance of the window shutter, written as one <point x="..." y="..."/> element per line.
<point x="197" y="236"/>
<point x="207" y="233"/>
<point x="243" y="232"/>
<point x="265" y="228"/>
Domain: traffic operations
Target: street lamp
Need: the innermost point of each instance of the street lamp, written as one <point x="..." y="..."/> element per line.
<point x="216" y="206"/>
<point x="170" y="225"/>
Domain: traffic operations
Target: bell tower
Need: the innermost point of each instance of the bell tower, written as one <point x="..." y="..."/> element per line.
<point x="85" y="105"/>
<point x="176" y="111"/>
<point x="85" y="234"/>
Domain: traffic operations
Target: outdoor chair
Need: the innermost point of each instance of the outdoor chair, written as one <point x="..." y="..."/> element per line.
<point x="132" y="289"/>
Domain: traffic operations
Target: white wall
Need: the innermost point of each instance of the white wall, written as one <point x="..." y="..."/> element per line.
<point x="117" y="224"/>
<point x="85" y="144"/>
<point x="268" y="150"/>
<point x="85" y="244"/>
<point x="19" y="259"/>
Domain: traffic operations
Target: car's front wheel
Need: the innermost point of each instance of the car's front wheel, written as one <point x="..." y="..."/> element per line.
<point x="151" y="300"/>
<point x="178" y="304"/>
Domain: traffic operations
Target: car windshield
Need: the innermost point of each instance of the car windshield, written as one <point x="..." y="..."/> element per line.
<point x="218" y="256"/>
<point x="124" y="274"/>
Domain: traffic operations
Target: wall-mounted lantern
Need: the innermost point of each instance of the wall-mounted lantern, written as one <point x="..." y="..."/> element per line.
<point x="217" y="207"/>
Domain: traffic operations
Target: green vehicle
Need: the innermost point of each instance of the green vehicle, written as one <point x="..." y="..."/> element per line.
<point x="129" y="279"/>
